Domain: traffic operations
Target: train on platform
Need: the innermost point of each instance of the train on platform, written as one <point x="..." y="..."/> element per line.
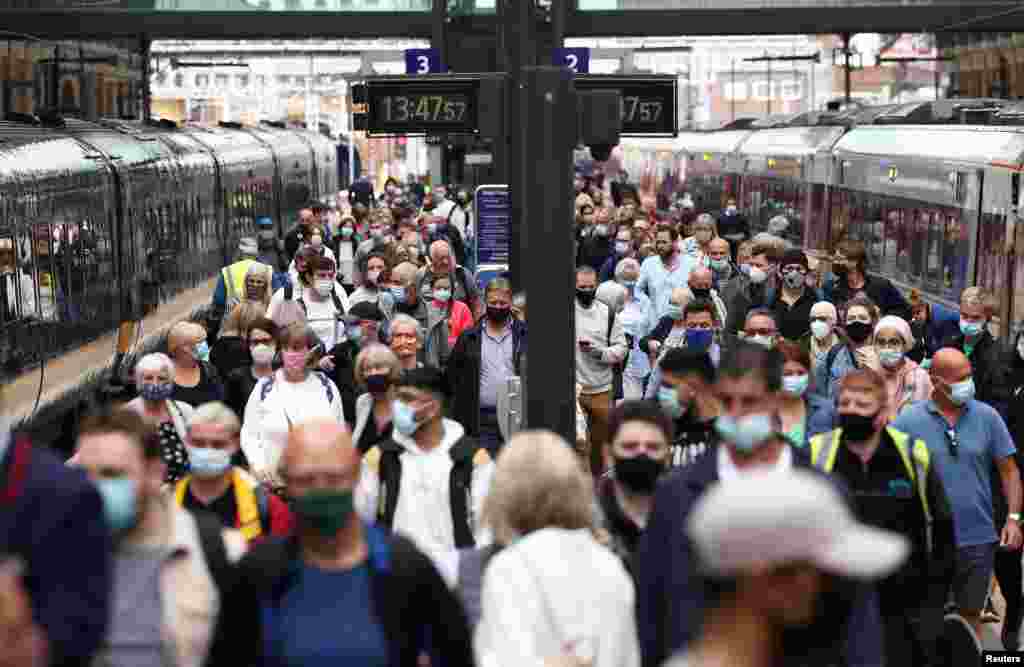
<point x="932" y="188"/>
<point x="101" y="221"/>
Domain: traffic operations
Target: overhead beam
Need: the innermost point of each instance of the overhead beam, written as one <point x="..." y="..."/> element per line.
<point x="97" y="24"/>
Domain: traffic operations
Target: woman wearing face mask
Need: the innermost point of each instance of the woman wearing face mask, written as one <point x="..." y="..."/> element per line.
<point x="698" y="245"/>
<point x="321" y="299"/>
<point x="803" y="414"/>
<point x="154" y="375"/>
<point x="377" y="369"/>
<point x="300" y="265"/>
<point x="261" y="345"/>
<point x="823" y="332"/>
<point x="636" y="458"/>
<point x="637" y="318"/>
<point x="857" y="351"/>
<point x="905" y="381"/>
<point x="457" y="312"/>
<point x="375" y="275"/>
<point x="348" y="245"/>
<point x="195" y="379"/>
<point x="289" y="396"/>
<point x="231" y="349"/>
<point x="258" y="284"/>
<point x="670" y="331"/>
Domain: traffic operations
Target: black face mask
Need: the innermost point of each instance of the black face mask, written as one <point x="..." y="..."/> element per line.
<point x="377" y="384"/>
<point x="586" y="297"/>
<point x="858" y="331"/>
<point x="638" y="474"/>
<point x="918" y="329"/>
<point x="857" y="428"/>
<point x="498" y="315"/>
<point x="841" y="270"/>
<point x="701" y="293"/>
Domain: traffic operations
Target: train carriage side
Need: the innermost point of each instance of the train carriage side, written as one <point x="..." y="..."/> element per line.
<point x="247" y="182"/>
<point x="62" y="281"/>
<point x="931" y="204"/>
<point x="149" y="180"/>
<point x="325" y="156"/>
<point x="295" y="170"/>
<point x="712" y="173"/>
<point x="784" y="176"/>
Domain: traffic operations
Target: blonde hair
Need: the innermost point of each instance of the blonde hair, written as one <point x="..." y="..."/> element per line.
<point x="376" y="355"/>
<point x="979" y="296"/>
<point x="240" y="319"/>
<point x="538" y="483"/>
<point x="183" y="333"/>
<point x="215" y="413"/>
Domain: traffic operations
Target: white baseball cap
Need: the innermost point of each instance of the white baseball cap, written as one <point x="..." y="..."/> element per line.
<point x="766" y="519"/>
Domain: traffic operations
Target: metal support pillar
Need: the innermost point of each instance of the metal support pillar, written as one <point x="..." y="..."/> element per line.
<point x="147" y="97"/>
<point x="769" y="88"/>
<point x="547" y="130"/>
<point x="440" y="28"/>
<point x="517" y="40"/>
<point x="732" y="97"/>
<point x="847" y="68"/>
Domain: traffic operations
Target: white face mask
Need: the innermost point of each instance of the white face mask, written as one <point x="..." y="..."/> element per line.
<point x="820" y="329"/>
<point x="757" y="275"/>
<point x="1020" y="347"/>
<point x="324" y="286"/>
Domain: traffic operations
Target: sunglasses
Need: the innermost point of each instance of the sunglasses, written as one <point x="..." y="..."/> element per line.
<point x="954" y="442"/>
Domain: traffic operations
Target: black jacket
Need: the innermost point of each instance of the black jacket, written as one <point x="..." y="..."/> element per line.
<point x="885" y="295"/>
<point x="410" y="600"/>
<point x="463" y="373"/>
<point x="344" y="376"/>
<point x="672" y="599"/>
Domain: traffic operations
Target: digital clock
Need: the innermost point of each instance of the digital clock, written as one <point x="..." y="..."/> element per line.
<point x="649" y="103"/>
<point x="448" y="106"/>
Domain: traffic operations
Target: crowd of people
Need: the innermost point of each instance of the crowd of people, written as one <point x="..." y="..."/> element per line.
<point x="773" y="464"/>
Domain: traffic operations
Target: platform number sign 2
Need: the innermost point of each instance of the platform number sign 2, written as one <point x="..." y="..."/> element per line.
<point x="422" y="61"/>
<point x="575" y="60"/>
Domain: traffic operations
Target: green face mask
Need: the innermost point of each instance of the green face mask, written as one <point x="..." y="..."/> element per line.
<point x="325" y="511"/>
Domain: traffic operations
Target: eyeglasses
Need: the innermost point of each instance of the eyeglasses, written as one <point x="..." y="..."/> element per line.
<point x="794" y="267"/>
<point x="954" y="442"/>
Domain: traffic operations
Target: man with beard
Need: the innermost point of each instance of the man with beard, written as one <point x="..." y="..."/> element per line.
<point x="672" y="597"/>
<point x="660" y="274"/>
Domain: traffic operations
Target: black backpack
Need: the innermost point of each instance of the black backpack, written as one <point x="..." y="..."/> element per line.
<point x="289" y="294"/>
<point x="211" y="538"/>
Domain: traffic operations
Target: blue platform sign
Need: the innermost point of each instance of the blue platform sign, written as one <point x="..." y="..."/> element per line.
<point x="493" y="212"/>
<point x="577" y="60"/>
<point x="422" y="61"/>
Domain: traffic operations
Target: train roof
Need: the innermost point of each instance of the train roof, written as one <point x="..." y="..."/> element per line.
<point x="791" y="141"/>
<point x="976" y="144"/>
<point x="721" y="141"/>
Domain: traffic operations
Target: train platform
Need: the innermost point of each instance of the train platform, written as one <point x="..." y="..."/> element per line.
<point x="69" y="372"/>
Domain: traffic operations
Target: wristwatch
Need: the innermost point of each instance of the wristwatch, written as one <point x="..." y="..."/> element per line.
<point x="1014" y="516"/>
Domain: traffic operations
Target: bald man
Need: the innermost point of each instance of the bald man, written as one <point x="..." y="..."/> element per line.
<point x="442" y="262"/>
<point x="967" y="439"/>
<point x="719" y="260"/>
<point x="701" y="284"/>
<point x="337" y="567"/>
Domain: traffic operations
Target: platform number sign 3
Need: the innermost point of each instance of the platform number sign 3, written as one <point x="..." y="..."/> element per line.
<point x="422" y="61"/>
<point x="575" y="60"/>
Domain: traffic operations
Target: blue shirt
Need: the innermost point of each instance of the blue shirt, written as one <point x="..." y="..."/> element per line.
<point x="326" y="619"/>
<point x="496" y="367"/>
<point x="983" y="440"/>
<point x="658" y="282"/>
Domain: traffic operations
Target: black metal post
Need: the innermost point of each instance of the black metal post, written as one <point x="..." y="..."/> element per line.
<point x="439" y="28"/>
<point x="769" y="88"/>
<point x="847" y="68"/>
<point x="547" y="130"/>
<point x="54" y="92"/>
<point x="732" y="98"/>
<point x="147" y="94"/>
<point x="518" y="46"/>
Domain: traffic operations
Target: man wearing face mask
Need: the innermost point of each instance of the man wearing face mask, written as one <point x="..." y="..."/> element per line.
<point x="849" y="278"/>
<point x="720" y="262"/>
<point x="171" y="567"/>
<point x="362" y="328"/>
<point x="230" y="288"/>
<point x="336" y="566"/>
<point x="406" y="480"/>
<point x="671" y="601"/>
<point x="700" y="283"/>
<point x="323" y="301"/>
<point x="793" y="302"/>
<point x="685" y="396"/>
<point x="968" y="440"/>
<point x="483" y="360"/>
<point x="304" y="228"/>
<point x="601" y="345"/>
<point x="760" y="327"/>
<point x="895" y="487"/>
<point x="987" y="355"/>
<point x="636" y="457"/>
<point x="269" y="252"/>
<point x="733" y="226"/>
<point x="749" y="290"/>
<point x="216" y="486"/>
<point x="375" y="274"/>
<point x="624" y="249"/>
<point x="597" y="247"/>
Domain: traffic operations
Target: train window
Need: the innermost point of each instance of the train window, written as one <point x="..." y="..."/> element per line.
<point x="991" y="269"/>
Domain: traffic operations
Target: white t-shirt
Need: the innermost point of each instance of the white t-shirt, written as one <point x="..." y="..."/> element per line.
<point x="322" y="315"/>
<point x="271" y="413"/>
<point x="346" y="263"/>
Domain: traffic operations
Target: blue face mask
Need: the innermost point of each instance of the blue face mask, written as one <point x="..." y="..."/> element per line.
<point x="206" y="462"/>
<point x="120" y="502"/>
<point x="404" y="416"/>
<point x="354" y="334"/>
<point x="674" y="312"/>
<point x="160" y="391"/>
<point x="398" y="294"/>
<point x="962" y="392"/>
<point x="746" y="433"/>
<point x="971" y="329"/>
<point x="201" y="351"/>
<point x="668" y="399"/>
<point x="796" y="384"/>
<point x="699" y="339"/>
<point x="629" y="284"/>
